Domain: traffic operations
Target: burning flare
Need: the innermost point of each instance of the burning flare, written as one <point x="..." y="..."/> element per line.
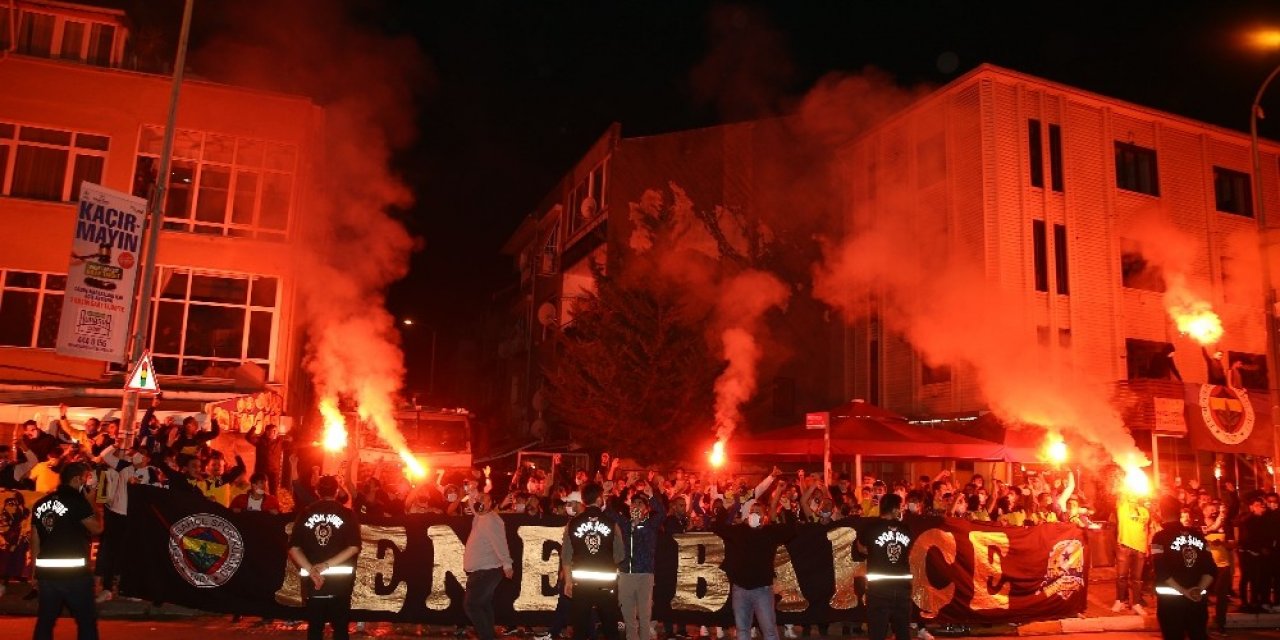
<point x="1056" y="449"/>
<point x="717" y="454"/>
<point x="413" y="469"/>
<point x="1136" y="481"/>
<point x="335" y="426"/>
<point x="1193" y="315"/>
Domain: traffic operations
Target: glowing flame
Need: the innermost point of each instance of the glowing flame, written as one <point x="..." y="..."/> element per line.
<point x="1056" y="450"/>
<point x="1136" y="481"/>
<point x="1193" y="315"/>
<point x="717" y="454"/>
<point x="335" y="426"/>
<point x="412" y="468"/>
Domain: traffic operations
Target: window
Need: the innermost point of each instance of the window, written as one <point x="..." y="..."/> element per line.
<point x="550" y="251"/>
<point x="1248" y="370"/>
<point x="586" y="200"/>
<point x="48" y="164"/>
<point x="1136" y="169"/>
<point x="35" y="33"/>
<point x="1055" y="157"/>
<point x="72" y="40"/>
<point x="1150" y="360"/>
<point x="220" y="185"/>
<point x="1040" y="254"/>
<point x="30" y="308"/>
<point x="1231" y="192"/>
<point x="1042" y="335"/>
<point x="934" y="375"/>
<point x="931" y="160"/>
<point x="1135" y="271"/>
<point x="1064" y="338"/>
<point x="1035" y="152"/>
<point x="1060" y="258"/>
<point x="6" y="20"/>
<point x="207" y="324"/>
<point x="101" y="43"/>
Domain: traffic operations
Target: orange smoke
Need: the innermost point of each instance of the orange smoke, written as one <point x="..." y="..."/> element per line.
<point x="1055" y="449"/>
<point x="1193" y="315"/>
<point x="1136" y="481"/>
<point x="335" y="426"/>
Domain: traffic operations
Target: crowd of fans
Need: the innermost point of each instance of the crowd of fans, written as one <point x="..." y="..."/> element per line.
<point x="1244" y="531"/>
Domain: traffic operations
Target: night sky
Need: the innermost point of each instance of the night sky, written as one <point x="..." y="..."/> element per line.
<point x="521" y="89"/>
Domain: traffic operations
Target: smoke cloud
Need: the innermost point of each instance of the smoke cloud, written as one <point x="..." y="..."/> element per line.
<point x="746" y="297"/>
<point x="1173" y="252"/>
<point x="349" y="245"/>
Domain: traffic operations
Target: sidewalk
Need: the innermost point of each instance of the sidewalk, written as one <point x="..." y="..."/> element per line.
<point x="13" y="604"/>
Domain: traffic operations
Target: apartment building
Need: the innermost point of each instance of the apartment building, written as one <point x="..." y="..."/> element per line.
<point x="1047" y="187"/>
<point x="224" y="321"/>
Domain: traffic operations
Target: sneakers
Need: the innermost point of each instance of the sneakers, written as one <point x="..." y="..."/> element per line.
<point x="923" y="634"/>
<point x="1118" y="607"/>
<point x="789" y="632"/>
<point x="1138" y="609"/>
<point x="542" y="636"/>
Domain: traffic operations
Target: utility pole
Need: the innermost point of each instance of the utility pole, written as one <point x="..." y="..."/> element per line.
<point x="142" y="314"/>
<point x="1269" y="292"/>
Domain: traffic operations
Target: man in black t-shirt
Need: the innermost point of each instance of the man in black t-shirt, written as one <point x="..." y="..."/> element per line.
<point x="1184" y="570"/>
<point x="324" y="545"/>
<point x="61" y="525"/>
<point x="887" y="543"/>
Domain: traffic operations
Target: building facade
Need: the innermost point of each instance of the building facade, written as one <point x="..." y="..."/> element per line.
<point x="583" y="223"/>
<point x="223" y="320"/>
<point x="1048" y="188"/>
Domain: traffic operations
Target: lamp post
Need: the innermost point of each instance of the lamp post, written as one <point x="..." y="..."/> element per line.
<point x="1269" y="293"/>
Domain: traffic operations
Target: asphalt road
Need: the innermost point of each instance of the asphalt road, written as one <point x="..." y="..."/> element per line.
<point x="17" y="627"/>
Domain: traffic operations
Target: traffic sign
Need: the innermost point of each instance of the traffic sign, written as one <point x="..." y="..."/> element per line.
<point x="143" y="377"/>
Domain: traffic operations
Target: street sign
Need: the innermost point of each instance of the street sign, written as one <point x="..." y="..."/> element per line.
<point x="817" y="420"/>
<point x="143" y="377"/>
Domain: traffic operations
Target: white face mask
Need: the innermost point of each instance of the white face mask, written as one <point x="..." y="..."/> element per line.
<point x="753" y="520"/>
<point x="453" y="497"/>
<point x="137" y="458"/>
<point x="570" y="510"/>
<point x="90" y="481"/>
<point x="520" y="508"/>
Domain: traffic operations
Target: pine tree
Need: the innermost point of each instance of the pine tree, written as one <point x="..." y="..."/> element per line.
<point x="634" y="374"/>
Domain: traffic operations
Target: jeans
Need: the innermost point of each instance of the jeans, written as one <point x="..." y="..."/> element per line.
<point x="478" y="600"/>
<point x="1181" y="618"/>
<point x="1129" y="564"/>
<point x="889" y="611"/>
<point x="635" y="594"/>
<point x="333" y="610"/>
<point x="77" y="594"/>
<point x="757" y="602"/>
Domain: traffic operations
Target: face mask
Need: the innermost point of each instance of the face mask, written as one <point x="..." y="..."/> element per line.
<point x="637" y="514"/>
<point x="825" y="514"/>
<point x="137" y="458"/>
<point x="520" y="508"/>
<point x="90" y="482"/>
<point x="453" y="497"/>
<point x="570" y="510"/>
<point x="753" y="520"/>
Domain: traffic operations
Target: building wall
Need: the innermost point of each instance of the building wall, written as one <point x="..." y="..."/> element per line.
<point x="119" y="104"/>
<point x="988" y="205"/>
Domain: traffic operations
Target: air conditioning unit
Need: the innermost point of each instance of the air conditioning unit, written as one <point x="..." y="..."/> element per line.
<point x="588" y="209"/>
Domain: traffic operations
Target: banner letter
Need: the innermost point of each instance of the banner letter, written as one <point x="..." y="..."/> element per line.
<point x="690" y="572"/>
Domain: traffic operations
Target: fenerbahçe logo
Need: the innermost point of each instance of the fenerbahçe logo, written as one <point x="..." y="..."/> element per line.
<point x="1227" y="413"/>
<point x="205" y="549"/>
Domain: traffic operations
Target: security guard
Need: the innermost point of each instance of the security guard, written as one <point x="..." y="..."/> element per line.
<point x="61" y="525"/>
<point x="589" y="557"/>
<point x="1184" y="569"/>
<point x="887" y="543"/>
<point x="324" y="545"/>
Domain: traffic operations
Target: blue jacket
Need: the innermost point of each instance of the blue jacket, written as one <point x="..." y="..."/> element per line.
<point x="640" y="539"/>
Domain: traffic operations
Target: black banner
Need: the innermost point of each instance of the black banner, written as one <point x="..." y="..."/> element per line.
<point x="189" y="551"/>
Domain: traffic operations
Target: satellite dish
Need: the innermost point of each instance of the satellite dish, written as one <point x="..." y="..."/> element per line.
<point x="547" y="314"/>
<point x="588" y="208"/>
<point x="538" y="429"/>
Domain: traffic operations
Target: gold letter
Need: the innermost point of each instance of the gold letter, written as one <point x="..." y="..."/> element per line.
<point x="929" y="598"/>
<point x="988" y="549"/>
<point x="447" y="551"/>
<point x="690" y="572"/>
<point x="841" y="538"/>
<point x="376" y="568"/>
<point x="290" y="593"/>
<point x="785" y="583"/>
<point x="539" y="568"/>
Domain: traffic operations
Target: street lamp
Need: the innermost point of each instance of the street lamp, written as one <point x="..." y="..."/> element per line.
<point x="1267" y="39"/>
